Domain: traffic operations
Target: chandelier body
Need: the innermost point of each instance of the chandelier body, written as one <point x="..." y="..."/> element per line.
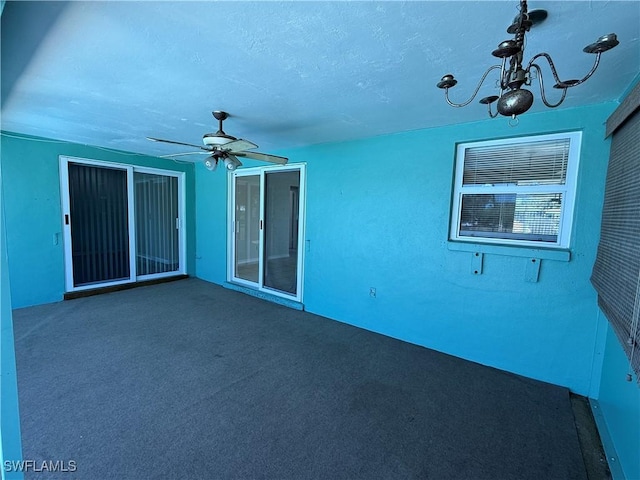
<point x="513" y="99"/>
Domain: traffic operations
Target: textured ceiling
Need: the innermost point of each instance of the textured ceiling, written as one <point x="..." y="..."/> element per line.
<point x="289" y="73"/>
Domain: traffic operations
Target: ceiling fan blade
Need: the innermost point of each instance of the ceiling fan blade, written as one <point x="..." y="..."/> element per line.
<point x="182" y="154"/>
<point x="177" y="143"/>
<point x="239" y="145"/>
<point x="264" y="157"/>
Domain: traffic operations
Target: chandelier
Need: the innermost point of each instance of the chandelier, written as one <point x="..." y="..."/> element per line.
<point x="513" y="99"/>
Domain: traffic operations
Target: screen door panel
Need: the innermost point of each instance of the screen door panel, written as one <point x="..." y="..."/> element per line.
<point x="157" y="226"/>
<point x="247" y="228"/>
<point x="98" y="206"/>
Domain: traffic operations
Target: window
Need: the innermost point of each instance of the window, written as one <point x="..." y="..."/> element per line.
<point x="517" y="191"/>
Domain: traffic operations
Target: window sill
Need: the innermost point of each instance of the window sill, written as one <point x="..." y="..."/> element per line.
<point x="561" y="255"/>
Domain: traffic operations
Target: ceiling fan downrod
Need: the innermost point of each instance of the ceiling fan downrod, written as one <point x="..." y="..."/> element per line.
<point x="220" y="116"/>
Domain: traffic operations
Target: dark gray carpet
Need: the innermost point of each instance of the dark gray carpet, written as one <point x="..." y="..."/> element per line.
<point x="190" y="380"/>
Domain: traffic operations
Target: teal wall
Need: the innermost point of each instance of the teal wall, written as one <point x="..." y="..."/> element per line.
<point x="10" y="442"/>
<point x="378" y="216"/>
<point x="33" y="211"/>
<point x="619" y="402"/>
<point x="211" y="222"/>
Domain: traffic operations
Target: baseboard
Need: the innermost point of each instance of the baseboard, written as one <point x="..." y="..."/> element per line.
<point x="607" y="443"/>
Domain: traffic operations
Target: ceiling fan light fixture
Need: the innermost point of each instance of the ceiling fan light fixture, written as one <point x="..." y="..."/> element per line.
<point x="231" y="164"/>
<point x="211" y="163"/>
<point x="514" y="100"/>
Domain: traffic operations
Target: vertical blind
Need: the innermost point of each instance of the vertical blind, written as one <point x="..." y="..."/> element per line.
<point x="156" y="209"/>
<point x="99" y="227"/>
<point x="616" y="272"/>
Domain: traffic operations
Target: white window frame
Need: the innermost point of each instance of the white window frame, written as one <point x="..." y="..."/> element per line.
<point x="568" y="191"/>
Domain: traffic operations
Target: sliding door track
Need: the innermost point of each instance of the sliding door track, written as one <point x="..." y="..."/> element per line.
<point x="122" y="286"/>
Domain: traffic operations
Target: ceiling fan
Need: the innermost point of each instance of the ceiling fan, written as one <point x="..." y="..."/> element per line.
<point x="223" y="148"/>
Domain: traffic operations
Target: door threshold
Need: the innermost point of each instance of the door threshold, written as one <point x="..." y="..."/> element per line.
<point x="122" y="286"/>
<point x="264" y="295"/>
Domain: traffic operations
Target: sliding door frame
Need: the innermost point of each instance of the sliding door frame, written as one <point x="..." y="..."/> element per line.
<point x="262" y="172"/>
<point x="130" y="170"/>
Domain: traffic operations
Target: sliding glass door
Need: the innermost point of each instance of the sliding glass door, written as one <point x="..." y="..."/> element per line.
<point x="265" y="231"/>
<point x="121" y="223"/>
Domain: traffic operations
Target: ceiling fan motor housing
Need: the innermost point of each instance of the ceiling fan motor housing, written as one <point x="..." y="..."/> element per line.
<point x="218" y="138"/>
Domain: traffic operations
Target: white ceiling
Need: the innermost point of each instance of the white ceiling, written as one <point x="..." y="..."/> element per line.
<point x="289" y="73"/>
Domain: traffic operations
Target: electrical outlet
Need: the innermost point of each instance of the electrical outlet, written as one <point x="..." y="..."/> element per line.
<point x="372" y="292"/>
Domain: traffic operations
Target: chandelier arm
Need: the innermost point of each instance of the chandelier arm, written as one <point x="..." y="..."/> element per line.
<point x="560" y="83"/>
<point x="588" y="75"/>
<point x="551" y="65"/>
<point x="492" y="115"/>
<point x="446" y="90"/>
<point x="503" y="72"/>
<point x="542" y="95"/>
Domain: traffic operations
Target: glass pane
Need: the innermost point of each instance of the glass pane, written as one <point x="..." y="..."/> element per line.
<point x="281" y="231"/>
<point x="99" y="224"/>
<point x="531" y="163"/>
<point x="157" y="233"/>
<point x="533" y="217"/>
<point x="247" y="236"/>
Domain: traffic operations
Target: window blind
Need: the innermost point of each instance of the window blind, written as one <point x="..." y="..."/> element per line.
<point x="532" y="163"/>
<point x="616" y="272"/>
